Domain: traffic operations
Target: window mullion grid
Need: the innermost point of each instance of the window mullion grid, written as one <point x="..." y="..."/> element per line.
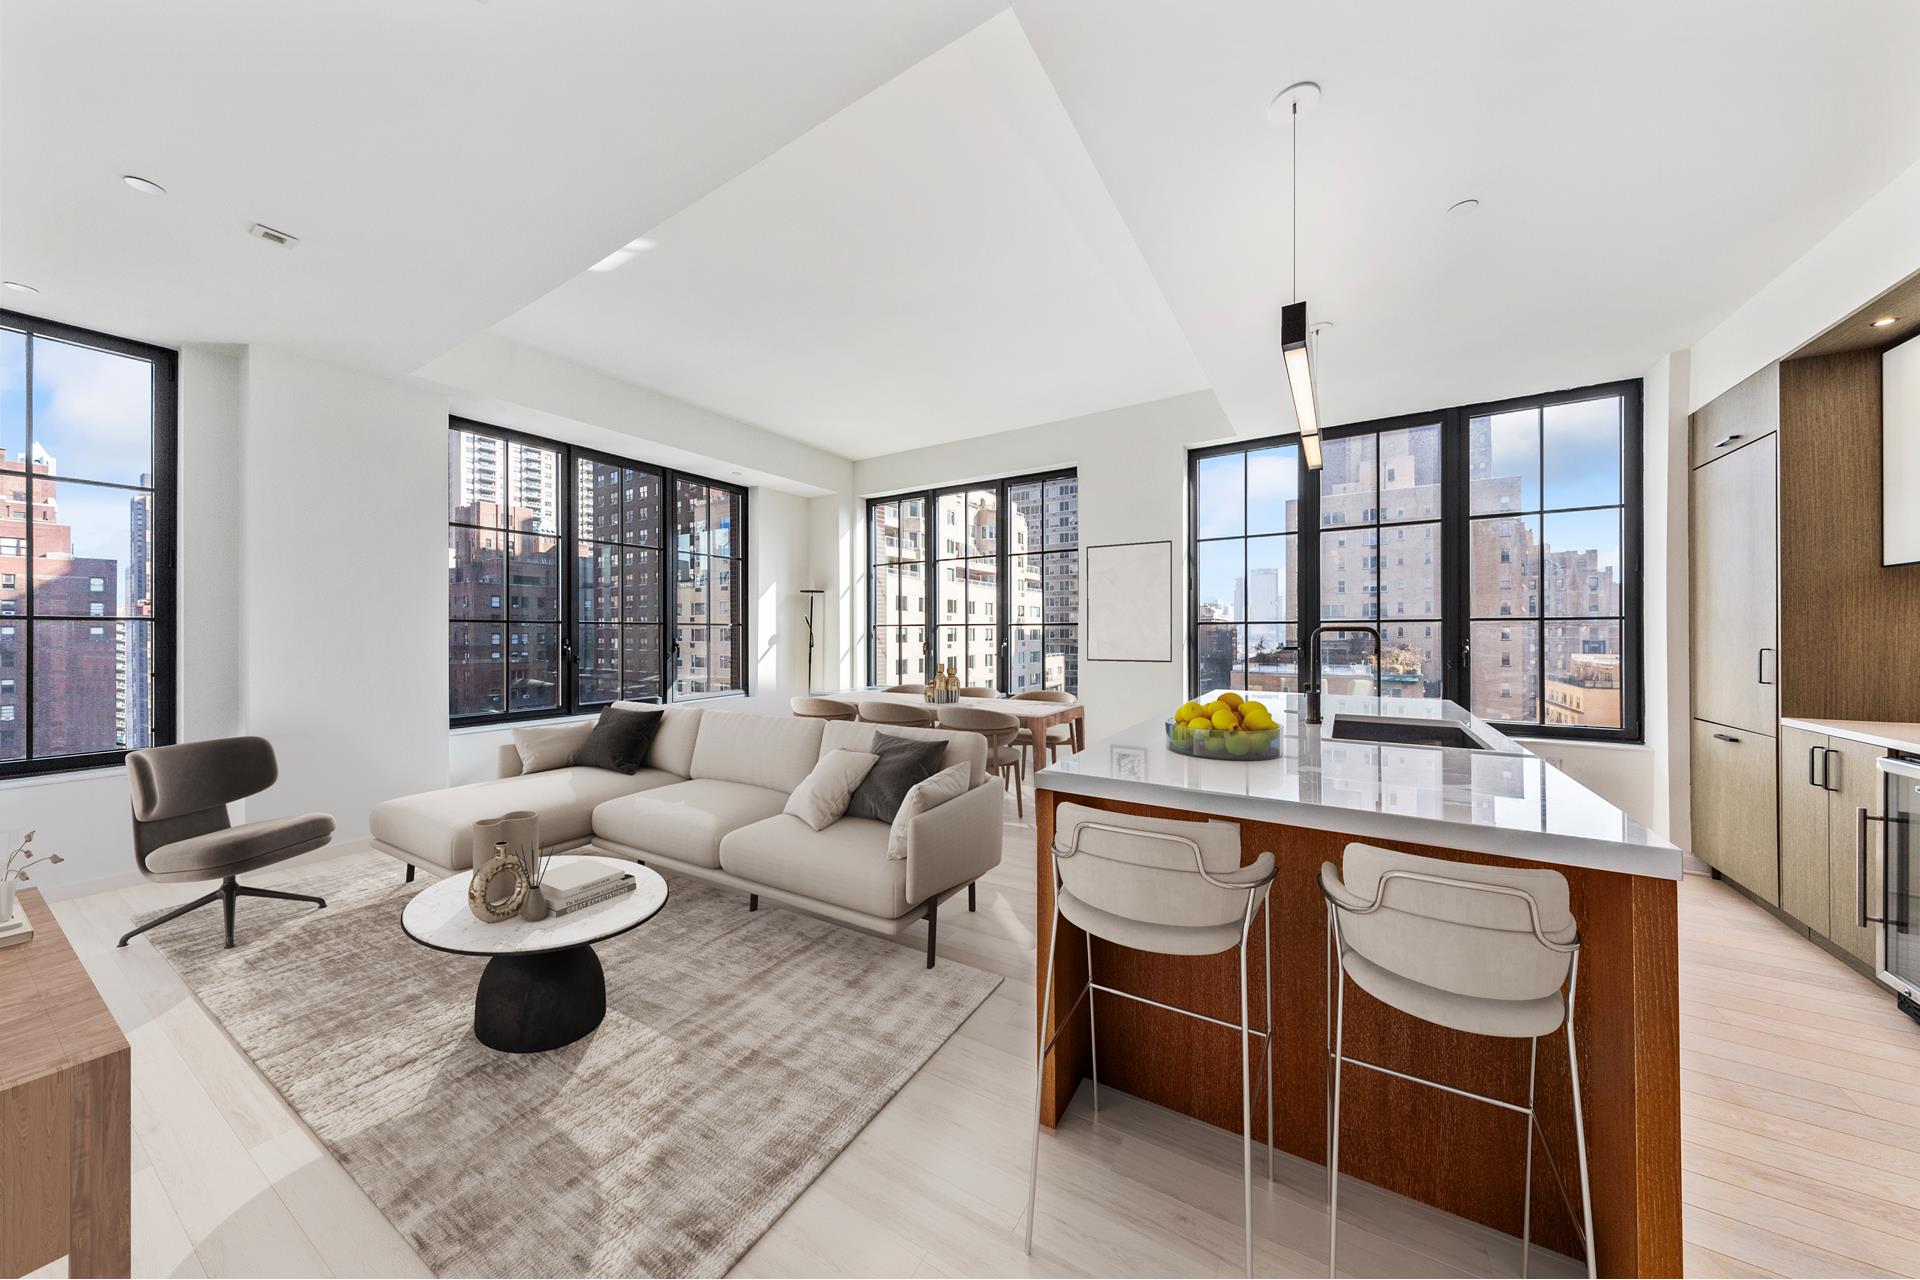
<point x="28" y="702"/>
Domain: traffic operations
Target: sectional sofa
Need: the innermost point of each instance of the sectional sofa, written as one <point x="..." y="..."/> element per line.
<point x="708" y="804"/>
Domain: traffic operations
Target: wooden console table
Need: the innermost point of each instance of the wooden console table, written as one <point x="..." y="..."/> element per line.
<point x="66" y="1112"/>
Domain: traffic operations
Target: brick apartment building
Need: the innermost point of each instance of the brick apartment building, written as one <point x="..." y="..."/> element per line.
<point x="82" y="670"/>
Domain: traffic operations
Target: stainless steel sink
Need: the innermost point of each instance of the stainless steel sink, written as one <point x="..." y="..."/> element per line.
<point x="1402" y="731"/>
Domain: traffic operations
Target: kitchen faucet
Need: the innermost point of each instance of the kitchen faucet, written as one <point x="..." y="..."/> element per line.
<point x="1313" y="663"/>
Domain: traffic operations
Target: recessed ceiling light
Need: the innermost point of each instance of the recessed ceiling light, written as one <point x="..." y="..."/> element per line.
<point x="619" y="257"/>
<point x="147" y="185"/>
<point x="1885" y="321"/>
<point x="17" y="287"/>
<point x="1460" y="208"/>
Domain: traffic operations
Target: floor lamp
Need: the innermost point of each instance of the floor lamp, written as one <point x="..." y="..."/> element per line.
<point x="811" y="593"/>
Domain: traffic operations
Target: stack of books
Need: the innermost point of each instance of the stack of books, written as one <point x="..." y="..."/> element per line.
<point x="572" y="886"/>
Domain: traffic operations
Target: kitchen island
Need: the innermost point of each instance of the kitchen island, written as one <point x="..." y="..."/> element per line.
<point x="1489" y="800"/>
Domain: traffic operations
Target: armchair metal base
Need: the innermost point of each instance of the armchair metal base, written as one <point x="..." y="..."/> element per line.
<point x="229" y="891"/>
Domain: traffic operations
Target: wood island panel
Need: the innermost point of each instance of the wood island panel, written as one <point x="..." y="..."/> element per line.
<point x="1456" y="1154"/>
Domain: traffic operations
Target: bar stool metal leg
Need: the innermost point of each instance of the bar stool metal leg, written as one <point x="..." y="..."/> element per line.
<point x="1093" y="1029"/>
<point x="1333" y="1135"/>
<point x="1040" y="1068"/>
<point x="1526" y="1200"/>
<point x="1266" y="965"/>
<point x="1246" y="1096"/>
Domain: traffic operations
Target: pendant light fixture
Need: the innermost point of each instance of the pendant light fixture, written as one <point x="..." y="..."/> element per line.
<point x="1295" y="352"/>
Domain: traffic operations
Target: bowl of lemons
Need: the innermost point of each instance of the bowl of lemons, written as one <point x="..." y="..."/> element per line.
<point x="1228" y="728"/>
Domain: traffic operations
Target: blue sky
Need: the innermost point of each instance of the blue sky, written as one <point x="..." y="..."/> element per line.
<point x="92" y="410"/>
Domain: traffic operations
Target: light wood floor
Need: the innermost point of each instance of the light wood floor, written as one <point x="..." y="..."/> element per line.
<point x="1802" y="1137"/>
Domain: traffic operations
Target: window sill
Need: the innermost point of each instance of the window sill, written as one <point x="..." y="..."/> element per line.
<point x="1585" y="744"/>
<point x="60" y="777"/>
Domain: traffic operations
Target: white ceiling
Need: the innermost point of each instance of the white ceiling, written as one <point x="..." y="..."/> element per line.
<point x="939" y="260"/>
<point x="885" y="224"/>
<point x="1643" y="167"/>
<point x="445" y="162"/>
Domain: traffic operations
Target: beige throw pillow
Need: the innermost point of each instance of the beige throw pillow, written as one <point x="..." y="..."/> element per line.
<point x="549" y="746"/>
<point x="822" y="795"/>
<point x="931" y="794"/>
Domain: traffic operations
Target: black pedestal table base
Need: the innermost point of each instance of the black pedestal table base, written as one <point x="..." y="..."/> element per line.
<point x="533" y="1003"/>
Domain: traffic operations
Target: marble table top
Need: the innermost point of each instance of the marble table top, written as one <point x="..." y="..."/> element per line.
<point x="438" y="917"/>
<point x="1503" y="799"/>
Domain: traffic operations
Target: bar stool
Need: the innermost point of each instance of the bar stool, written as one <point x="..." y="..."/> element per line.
<point x="824" y="709"/>
<point x="998" y="728"/>
<point x="1171" y="888"/>
<point x="897" y="713"/>
<point x="1485" y="950"/>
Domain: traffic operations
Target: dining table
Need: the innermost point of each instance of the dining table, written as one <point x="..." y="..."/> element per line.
<point x="1034" y="714"/>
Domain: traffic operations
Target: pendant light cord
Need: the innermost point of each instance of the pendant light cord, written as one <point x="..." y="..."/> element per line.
<point x="1293" y="199"/>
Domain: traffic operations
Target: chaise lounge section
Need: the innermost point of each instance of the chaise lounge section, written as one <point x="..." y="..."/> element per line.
<point x="708" y="803"/>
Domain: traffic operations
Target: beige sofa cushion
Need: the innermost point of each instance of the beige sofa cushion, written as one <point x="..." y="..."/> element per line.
<point x="963" y="747"/>
<point x="924" y="797"/>
<point x="687" y="820"/>
<point x="436" y="826"/>
<point x="821" y="798"/>
<point x="544" y="747"/>
<point x="672" y="747"/>
<point x="776" y="752"/>
<point x="846" y="865"/>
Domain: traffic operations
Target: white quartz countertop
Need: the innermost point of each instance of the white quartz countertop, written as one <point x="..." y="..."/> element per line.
<point x="1504" y="800"/>
<point x="1894" y="735"/>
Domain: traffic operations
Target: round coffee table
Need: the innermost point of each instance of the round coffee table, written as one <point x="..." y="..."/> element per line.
<point x="543" y="986"/>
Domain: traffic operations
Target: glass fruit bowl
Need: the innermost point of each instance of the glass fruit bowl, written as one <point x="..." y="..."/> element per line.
<point x="1223" y="744"/>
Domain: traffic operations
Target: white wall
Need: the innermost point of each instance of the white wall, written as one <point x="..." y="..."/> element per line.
<point x="1132" y="463"/>
<point x="343" y="636"/>
<point x="1666" y="637"/>
<point x="1871" y="251"/>
<point x="509" y="385"/>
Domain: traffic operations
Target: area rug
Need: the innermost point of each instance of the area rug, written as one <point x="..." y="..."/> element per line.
<point x="741" y="1052"/>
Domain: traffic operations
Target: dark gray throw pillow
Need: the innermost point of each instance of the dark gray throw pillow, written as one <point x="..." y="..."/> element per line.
<point x="904" y="763"/>
<point x="620" y="741"/>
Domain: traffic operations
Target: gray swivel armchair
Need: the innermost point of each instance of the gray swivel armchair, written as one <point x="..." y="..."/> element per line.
<point x="181" y="830"/>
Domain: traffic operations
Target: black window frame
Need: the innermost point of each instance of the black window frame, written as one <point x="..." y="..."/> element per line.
<point x="1002" y="558"/>
<point x="1456" y="521"/>
<point x="569" y="537"/>
<point x="163" y="533"/>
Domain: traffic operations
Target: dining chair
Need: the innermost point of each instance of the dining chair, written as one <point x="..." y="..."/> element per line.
<point x="998" y="728"/>
<point x="1060" y="735"/>
<point x="824" y="709"/>
<point x="897" y="713"/>
<point x="1492" y="951"/>
<point x="905" y="688"/>
<point x="979" y="691"/>
<point x="1168" y="888"/>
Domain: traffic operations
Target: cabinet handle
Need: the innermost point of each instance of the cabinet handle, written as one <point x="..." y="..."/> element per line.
<point x="1725" y="737"/>
<point x="1826" y="769"/>
<point x="1860" y="820"/>
<point x="1762" y="676"/>
<point x="1814" y="761"/>
<point x="1727" y="439"/>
